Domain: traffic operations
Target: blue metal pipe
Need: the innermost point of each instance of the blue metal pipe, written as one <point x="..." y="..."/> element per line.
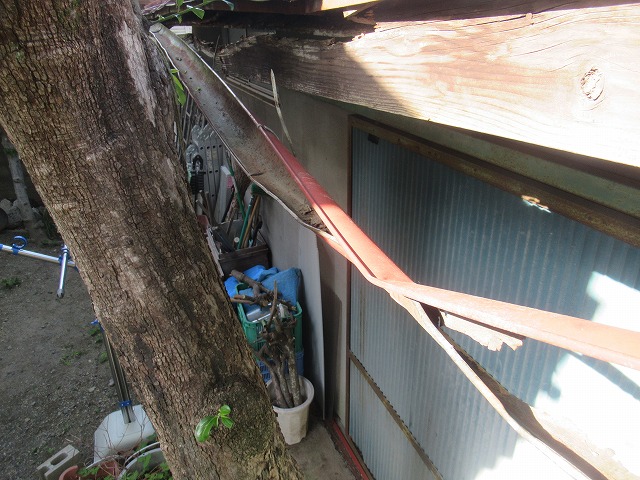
<point x="18" y="249"/>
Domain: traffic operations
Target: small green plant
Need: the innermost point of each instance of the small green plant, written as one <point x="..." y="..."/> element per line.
<point x="94" y="472"/>
<point x="145" y="472"/>
<point x="180" y="93"/>
<point x="10" y="282"/>
<point x="195" y="9"/>
<point x="161" y="472"/>
<point x="95" y="332"/>
<point x="67" y="357"/>
<point x="88" y="472"/>
<point x="102" y="357"/>
<point x="203" y="429"/>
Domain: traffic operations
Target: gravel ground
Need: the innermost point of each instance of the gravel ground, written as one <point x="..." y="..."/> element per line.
<point x="54" y="380"/>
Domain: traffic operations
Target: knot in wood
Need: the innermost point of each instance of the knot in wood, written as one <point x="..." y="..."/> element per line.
<point x="592" y="84"/>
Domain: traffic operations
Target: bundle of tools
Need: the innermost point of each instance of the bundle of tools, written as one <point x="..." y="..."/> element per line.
<point x="227" y="236"/>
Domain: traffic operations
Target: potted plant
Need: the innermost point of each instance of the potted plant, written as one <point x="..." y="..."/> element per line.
<point x="105" y="469"/>
<point x="291" y="394"/>
<point x="146" y="463"/>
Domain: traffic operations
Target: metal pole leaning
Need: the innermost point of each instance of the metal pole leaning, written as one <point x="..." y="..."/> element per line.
<point x="64" y="259"/>
<point x="122" y="387"/>
<point x="18" y="249"/>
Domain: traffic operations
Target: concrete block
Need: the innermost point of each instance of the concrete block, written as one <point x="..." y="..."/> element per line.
<point x="58" y="463"/>
<point x="13" y="214"/>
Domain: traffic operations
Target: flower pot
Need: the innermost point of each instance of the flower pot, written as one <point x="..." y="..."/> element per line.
<point x="70" y="473"/>
<point x="135" y="464"/>
<point x="293" y="421"/>
<point x="108" y="469"/>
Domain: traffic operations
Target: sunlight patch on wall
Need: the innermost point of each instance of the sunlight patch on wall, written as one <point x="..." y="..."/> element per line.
<point x="618" y="304"/>
<point x="524" y="453"/>
<point x="601" y="398"/>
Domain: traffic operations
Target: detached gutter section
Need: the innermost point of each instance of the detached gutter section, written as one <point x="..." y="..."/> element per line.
<point x="277" y="171"/>
<point x="273" y="167"/>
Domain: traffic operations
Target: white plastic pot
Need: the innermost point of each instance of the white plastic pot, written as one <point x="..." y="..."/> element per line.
<point x="113" y="435"/>
<point x="293" y="421"/>
<point x="134" y="463"/>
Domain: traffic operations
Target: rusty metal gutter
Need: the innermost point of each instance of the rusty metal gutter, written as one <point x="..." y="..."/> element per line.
<point x="278" y="172"/>
<point x="610" y="344"/>
<point x="232" y="122"/>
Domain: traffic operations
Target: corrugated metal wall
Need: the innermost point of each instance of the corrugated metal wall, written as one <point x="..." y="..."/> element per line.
<point x="452" y="231"/>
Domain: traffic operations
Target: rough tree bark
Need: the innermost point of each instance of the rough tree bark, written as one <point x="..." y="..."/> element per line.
<point x="87" y="101"/>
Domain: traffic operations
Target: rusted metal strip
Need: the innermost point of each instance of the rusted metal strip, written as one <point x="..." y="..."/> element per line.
<point x="278" y="172"/>
<point x="607" y="343"/>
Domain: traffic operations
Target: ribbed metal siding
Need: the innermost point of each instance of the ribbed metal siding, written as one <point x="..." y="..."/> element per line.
<point x="455" y="426"/>
<point x="452" y="231"/>
<point x="388" y="453"/>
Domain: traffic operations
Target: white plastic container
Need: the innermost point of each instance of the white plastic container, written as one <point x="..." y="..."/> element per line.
<point x="134" y="463"/>
<point x="113" y="435"/>
<point x="293" y="421"/>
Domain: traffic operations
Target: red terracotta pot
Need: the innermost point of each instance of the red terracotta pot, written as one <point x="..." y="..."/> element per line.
<point x="107" y="468"/>
<point x="70" y="473"/>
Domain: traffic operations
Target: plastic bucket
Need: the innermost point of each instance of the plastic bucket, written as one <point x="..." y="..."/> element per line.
<point x="135" y="465"/>
<point x="293" y="421"/>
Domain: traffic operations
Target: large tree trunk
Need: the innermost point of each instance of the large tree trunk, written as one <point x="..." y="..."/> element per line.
<point x="87" y="101"/>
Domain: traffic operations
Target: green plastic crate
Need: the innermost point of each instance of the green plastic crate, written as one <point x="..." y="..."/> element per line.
<point x="252" y="329"/>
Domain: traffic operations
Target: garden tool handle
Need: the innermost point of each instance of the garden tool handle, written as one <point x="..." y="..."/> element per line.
<point x="63" y="270"/>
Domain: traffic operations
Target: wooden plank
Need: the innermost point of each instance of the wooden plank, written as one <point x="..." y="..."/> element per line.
<point x="323" y="5"/>
<point x="166" y="7"/>
<point x="561" y="78"/>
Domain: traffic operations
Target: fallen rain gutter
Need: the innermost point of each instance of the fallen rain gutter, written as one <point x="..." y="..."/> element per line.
<point x="270" y="165"/>
<point x="273" y="167"/>
<point x="277" y="171"/>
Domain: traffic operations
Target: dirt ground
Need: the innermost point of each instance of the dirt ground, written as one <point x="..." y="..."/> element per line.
<point x="54" y="380"/>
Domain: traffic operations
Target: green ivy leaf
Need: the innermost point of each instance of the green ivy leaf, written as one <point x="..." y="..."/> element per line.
<point x="178" y="84"/>
<point x="227" y="422"/>
<point x="197" y="11"/>
<point x="180" y="93"/>
<point x="179" y="3"/>
<point x="230" y="4"/>
<point x="225" y="410"/>
<point x="203" y="429"/>
<point x="182" y="98"/>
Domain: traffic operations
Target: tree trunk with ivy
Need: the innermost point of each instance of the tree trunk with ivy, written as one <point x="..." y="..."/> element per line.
<point x="87" y="100"/>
